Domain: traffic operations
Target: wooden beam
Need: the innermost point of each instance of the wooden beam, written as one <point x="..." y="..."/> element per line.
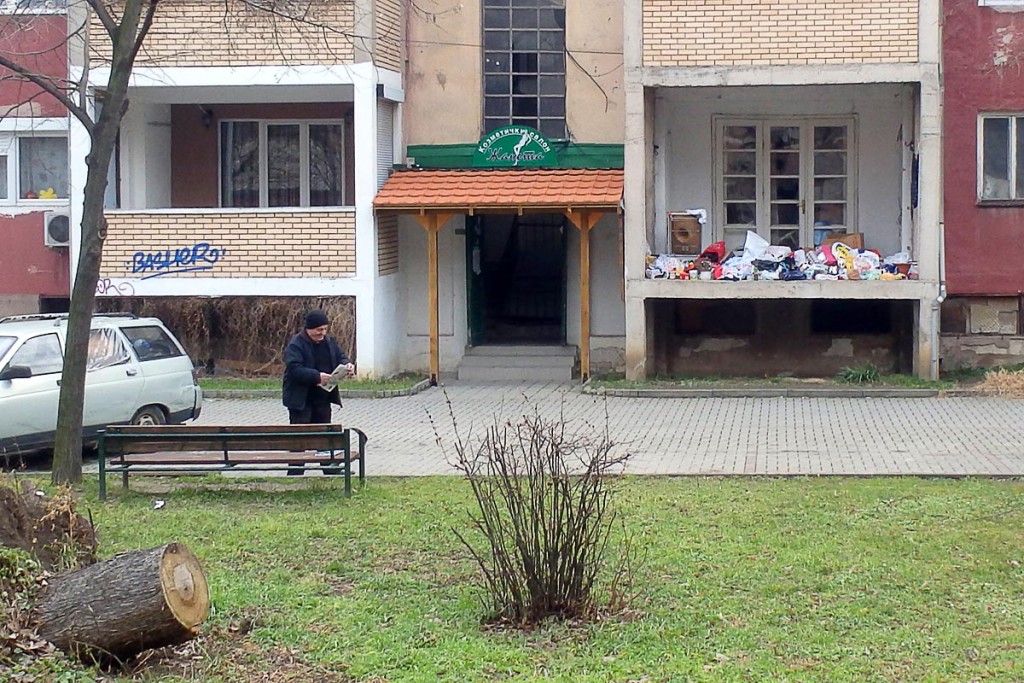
<point x="432" y="223"/>
<point x="584" y="221"/>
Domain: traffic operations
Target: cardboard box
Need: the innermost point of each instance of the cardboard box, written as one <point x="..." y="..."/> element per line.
<point x="685" y="231"/>
<point x="854" y="240"/>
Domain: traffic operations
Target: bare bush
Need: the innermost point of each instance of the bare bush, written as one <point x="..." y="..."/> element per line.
<point x="546" y="517"/>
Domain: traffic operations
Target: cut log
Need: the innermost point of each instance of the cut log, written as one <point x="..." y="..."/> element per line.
<point x="132" y="602"/>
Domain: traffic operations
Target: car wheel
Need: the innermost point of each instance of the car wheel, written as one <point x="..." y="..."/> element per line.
<point x="149" y="416"/>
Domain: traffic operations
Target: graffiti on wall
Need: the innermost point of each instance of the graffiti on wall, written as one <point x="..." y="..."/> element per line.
<point x="199" y="256"/>
<point x="107" y="287"/>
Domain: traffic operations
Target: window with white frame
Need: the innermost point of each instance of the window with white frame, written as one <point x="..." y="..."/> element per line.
<point x="1003" y="5"/>
<point x="32" y="6"/>
<point x="1000" y="157"/>
<point x="33" y="168"/>
<point x="784" y="179"/>
<point x="282" y="163"/>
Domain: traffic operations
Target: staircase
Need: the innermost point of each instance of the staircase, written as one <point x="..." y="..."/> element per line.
<point x="518" y="363"/>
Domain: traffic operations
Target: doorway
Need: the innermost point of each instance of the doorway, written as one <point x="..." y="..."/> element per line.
<point x="516" y="279"/>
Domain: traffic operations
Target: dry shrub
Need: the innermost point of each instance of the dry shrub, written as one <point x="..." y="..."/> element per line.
<point x="1004" y="383"/>
<point x="242" y="335"/>
<point x="545" y="518"/>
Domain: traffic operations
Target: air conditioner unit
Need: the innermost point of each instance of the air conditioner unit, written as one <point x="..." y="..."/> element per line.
<point x="56" y="229"/>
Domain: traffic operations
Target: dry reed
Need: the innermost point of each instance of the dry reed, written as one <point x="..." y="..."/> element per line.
<point x="243" y="335"/>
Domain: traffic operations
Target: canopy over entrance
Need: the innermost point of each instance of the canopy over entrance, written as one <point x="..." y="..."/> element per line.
<point x="433" y="196"/>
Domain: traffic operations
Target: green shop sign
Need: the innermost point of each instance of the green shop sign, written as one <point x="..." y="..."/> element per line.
<point x="514" y="146"/>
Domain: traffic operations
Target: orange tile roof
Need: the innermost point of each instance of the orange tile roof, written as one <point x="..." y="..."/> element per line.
<point x="473" y="190"/>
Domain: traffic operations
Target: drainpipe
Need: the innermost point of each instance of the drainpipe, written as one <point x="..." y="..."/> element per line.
<point x="937" y="303"/>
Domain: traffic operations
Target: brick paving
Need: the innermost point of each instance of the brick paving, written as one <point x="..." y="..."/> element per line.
<point x="409" y="436"/>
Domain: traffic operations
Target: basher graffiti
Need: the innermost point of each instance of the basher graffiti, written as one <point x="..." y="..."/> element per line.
<point x="200" y="256"/>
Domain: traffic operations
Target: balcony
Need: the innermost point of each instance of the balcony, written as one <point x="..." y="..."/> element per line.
<point x="230" y="243"/>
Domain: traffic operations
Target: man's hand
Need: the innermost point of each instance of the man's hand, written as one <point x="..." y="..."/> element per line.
<point x="324" y="378"/>
<point x="351" y="367"/>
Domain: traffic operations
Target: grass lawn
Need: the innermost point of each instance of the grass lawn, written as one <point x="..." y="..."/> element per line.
<point x="742" y="580"/>
<point x="397" y="383"/>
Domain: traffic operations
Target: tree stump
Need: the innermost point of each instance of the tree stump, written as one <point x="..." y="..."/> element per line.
<point x="132" y="602"/>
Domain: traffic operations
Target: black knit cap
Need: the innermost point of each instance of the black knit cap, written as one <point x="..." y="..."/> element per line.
<point x="316" y="318"/>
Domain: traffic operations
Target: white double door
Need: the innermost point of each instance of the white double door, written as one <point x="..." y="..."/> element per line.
<point x="784" y="179"/>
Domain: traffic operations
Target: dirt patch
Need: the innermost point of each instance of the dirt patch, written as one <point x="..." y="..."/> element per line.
<point x="46" y="526"/>
<point x="231" y="653"/>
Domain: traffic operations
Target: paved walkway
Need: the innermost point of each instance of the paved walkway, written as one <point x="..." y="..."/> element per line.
<point x="690" y="436"/>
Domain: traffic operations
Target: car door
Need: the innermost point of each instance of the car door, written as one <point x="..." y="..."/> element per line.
<point x="113" y="381"/>
<point x="29" y="404"/>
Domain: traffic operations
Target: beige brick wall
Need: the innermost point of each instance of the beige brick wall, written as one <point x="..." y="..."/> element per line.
<point x="319" y="244"/>
<point x="230" y="33"/>
<point x="387" y="244"/>
<point x="389" y="33"/>
<point x="779" y="32"/>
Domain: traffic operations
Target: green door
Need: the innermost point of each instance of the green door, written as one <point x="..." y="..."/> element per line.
<point x="476" y="293"/>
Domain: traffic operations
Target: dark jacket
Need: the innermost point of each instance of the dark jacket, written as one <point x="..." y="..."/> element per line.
<point x="300" y="373"/>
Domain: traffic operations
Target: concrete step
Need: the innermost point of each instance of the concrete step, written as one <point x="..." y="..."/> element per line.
<point x="515" y="361"/>
<point x="498" y="374"/>
<point x="521" y="350"/>
<point x="518" y="362"/>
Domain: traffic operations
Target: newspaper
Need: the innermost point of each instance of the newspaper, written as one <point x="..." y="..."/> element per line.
<point x="342" y="372"/>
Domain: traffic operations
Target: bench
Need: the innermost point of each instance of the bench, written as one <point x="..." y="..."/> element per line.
<point x="176" y="449"/>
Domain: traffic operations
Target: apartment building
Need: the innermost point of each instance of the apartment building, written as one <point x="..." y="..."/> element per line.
<point x="34" y="189"/>
<point x="509" y="208"/>
<point x="492" y="178"/>
<point x="249" y="158"/>
<point x="983" y="137"/>
<point x="790" y="120"/>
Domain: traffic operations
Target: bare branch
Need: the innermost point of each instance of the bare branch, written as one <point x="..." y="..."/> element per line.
<point x="47" y="83"/>
<point x="104" y="16"/>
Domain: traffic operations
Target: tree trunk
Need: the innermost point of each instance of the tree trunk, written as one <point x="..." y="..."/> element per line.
<point x="132" y="602"/>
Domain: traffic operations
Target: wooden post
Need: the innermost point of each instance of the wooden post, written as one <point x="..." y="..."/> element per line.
<point x="433" y="223"/>
<point x="584" y="220"/>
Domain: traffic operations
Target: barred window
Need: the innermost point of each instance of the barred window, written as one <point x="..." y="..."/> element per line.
<point x="524" y="65"/>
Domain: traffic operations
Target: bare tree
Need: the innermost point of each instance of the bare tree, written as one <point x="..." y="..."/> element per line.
<point x="126" y="24"/>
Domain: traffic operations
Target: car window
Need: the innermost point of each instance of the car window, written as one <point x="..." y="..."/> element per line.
<point x="6" y="343"/>
<point x="151" y="343"/>
<point x="42" y="354"/>
<point x="106" y="349"/>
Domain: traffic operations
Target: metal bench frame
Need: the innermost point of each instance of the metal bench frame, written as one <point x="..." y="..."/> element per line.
<point x="219" y="448"/>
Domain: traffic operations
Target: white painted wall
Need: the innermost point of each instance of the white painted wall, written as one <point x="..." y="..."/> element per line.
<point x="390" y="317"/>
<point x="146" y="156"/>
<point x="451" y="293"/>
<point x="684" y="135"/>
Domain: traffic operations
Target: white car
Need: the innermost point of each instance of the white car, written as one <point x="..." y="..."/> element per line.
<point x="137" y="373"/>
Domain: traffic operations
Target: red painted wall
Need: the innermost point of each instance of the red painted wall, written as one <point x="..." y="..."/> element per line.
<point x="26" y="266"/>
<point x="983" y="69"/>
<point x="194" y="153"/>
<point x="38" y="43"/>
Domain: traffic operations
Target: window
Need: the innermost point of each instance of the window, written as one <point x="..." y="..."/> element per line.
<point x="106" y="349"/>
<point x="1003" y="5"/>
<point x="282" y="164"/>
<point x="784" y="180"/>
<point x="1001" y="157"/>
<point x="32" y="6"/>
<point x="151" y="343"/>
<point x="6" y="343"/>
<point x="33" y="168"/>
<point x="524" y="65"/>
<point x="41" y="354"/>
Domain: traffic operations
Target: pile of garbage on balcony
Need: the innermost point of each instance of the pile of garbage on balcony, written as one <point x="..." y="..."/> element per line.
<point x="834" y="259"/>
